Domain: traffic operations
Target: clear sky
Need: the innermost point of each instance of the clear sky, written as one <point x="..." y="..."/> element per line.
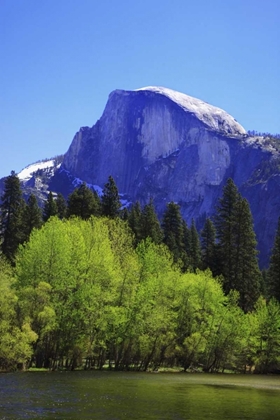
<point x="60" y="59"/>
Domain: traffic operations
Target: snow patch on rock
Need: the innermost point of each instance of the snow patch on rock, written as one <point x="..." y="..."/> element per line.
<point x="28" y="172"/>
<point x="215" y="118"/>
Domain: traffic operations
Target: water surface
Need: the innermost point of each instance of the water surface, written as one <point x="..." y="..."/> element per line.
<point x="123" y="395"/>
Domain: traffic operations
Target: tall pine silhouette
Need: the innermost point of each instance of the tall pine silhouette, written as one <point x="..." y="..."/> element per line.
<point x="11" y="216"/>
<point x="237" y="253"/>
<point x="110" y="200"/>
<point x="173" y="232"/>
<point x="82" y="202"/>
<point x="274" y="267"/>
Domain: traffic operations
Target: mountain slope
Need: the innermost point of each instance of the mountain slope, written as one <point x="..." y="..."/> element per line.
<point x="163" y="144"/>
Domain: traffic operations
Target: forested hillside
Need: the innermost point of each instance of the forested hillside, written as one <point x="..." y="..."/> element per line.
<point x="86" y="283"/>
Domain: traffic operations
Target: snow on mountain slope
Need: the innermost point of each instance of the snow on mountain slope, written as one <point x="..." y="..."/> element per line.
<point x="27" y="172"/>
<point x="215" y="118"/>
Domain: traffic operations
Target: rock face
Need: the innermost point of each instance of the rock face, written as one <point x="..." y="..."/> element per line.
<point x="163" y="144"/>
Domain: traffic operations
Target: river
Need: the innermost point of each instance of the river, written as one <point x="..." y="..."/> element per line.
<point x="127" y="395"/>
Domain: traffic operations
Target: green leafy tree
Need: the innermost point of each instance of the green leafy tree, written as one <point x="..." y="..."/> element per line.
<point x="16" y="338"/>
<point x="274" y="267"/>
<point x="83" y="202"/>
<point x="50" y="207"/>
<point x="110" y="200"/>
<point x="11" y="212"/>
<point x="267" y="335"/>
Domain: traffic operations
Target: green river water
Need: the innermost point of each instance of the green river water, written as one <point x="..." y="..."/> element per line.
<point x="125" y="395"/>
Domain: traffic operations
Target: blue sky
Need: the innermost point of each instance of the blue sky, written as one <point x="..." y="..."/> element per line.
<point x="60" y="59"/>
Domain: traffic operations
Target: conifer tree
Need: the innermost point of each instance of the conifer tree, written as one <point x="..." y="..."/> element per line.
<point x="124" y="214"/>
<point x="32" y="216"/>
<point x="110" y="199"/>
<point x="173" y="233"/>
<point x="274" y="267"/>
<point x="186" y="237"/>
<point x="237" y="247"/>
<point x="12" y="207"/>
<point x="247" y="278"/>
<point x="134" y="221"/>
<point x="50" y="207"/>
<point x="208" y="245"/>
<point x="225" y="223"/>
<point x="195" y="249"/>
<point x="83" y="203"/>
<point x="186" y="247"/>
<point x="150" y="226"/>
<point x="61" y="206"/>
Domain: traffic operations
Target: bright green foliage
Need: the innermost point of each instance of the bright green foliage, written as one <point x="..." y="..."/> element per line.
<point x="149" y="224"/>
<point x="208" y="245"/>
<point x="110" y="200"/>
<point x="11" y="212"/>
<point x="15" y="338"/>
<point x="88" y="295"/>
<point x="61" y="206"/>
<point x="173" y="232"/>
<point x="274" y="267"/>
<point x="50" y="207"/>
<point x="32" y="216"/>
<point x="266" y="353"/>
<point x="209" y="325"/>
<point x="153" y="316"/>
<point x="83" y="203"/>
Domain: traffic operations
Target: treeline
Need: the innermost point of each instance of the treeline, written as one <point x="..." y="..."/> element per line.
<point x="87" y="283"/>
<point x="263" y="134"/>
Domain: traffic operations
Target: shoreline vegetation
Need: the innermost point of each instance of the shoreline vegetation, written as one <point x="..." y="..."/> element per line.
<point x="121" y="291"/>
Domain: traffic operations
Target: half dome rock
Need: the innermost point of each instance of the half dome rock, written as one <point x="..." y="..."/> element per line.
<point x="180" y="141"/>
<point x="161" y="144"/>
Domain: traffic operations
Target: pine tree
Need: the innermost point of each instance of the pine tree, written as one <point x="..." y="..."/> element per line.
<point x="83" y="203"/>
<point x="225" y="221"/>
<point x="61" y="206"/>
<point x="186" y="247"/>
<point x="150" y="226"/>
<point x="134" y="221"/>
<point x="208" y="246"/>
<point x="32" y="216"/>
<point x="173" y="233"/>
<point x="274" y="267"/>
<point x="110" y="199"/>
<point x="124" y="214"/>
<point x="237" y="247"/>
<point x="50" y="208"/>
<point x="12" y="207"/>
<point x="195" y="249"/>
<point x="247" y="278"/>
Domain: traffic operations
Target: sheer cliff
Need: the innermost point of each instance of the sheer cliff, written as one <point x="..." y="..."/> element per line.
<point x="163" y="144"/>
